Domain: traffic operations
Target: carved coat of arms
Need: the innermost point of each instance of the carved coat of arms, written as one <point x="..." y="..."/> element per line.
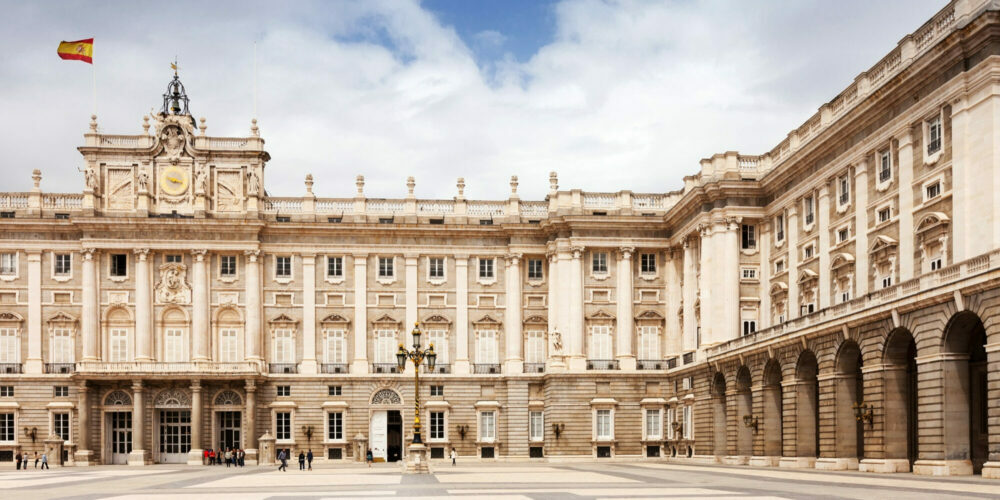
<point x="172" y="287"/>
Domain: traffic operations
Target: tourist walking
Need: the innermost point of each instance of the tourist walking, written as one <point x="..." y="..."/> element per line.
<point x="283" y="458"/>
<point x="45" y="461"/>
<point x="36" y="459"/>
<point x="243" y="457"/>
<point x="369" y="458"/>
<point x="309" y="458"/>
<point x="17" y="460"/>
<point x="302" y="460"/>
<point x="454" y="456"/>
<point x="229" y="458"/>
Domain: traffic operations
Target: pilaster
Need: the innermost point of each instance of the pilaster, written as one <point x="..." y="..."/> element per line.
<point x="253" y="304"/>
<point x="690" y="291"/>
<point x="33" y="363"/>
<point x="462" y="365"/>
<point x="623" y="296"/>
<point x="199" y="306"/>
<point x="140" y="454"/>
<point x="792" y="309"/>
<point x="577" y="358"/>
<point x="359" y="365"/>
<point x="143" y="306"/>
<point x="89" y="313"/>
<point x="308" y="365"/>
<point x="195" y="455"/>
<point x="905" y="152"/>
<point x="514" y="362"/>
<point x="823" y="227"/>
<point x="861" y="229"/>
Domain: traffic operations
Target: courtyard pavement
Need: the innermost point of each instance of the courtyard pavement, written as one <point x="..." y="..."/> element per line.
<point x="478" y="481"/>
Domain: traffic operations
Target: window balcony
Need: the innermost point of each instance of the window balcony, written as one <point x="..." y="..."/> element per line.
<point x="439" y="368"/>
<point x="602" y="364"/>
<point x="333" y="368"/>
<point x="486" y="368"/>
<point x="117" y="368"/>
<point x="283" y="368"/>
<point x="534" y="368"/>
<point x="672" y="363"/>
<point x="10" y="367"/>
<point x="385" y="368"/>
<point x="60" y="367"/>
<point x="651" y="364"/>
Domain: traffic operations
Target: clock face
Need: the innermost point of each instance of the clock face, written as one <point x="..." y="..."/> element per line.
<point x="174" y="180"/>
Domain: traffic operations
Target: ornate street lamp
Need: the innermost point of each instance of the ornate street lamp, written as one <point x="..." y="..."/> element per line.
<point x="863" y="412"/>
<point x="417" y="355"/>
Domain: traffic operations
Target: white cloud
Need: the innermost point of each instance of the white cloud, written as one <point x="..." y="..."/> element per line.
<point x="628" y="95"/>
<point x="491" y="38"/>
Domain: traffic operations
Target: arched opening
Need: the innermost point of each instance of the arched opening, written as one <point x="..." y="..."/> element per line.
<point x="744" y="408"/>
<point x="806" y="406"/>
<point x="900" y="389"/>
<point x="772" y="409"/>
<point x="964" y="377"/>
<point x="719" y="412"/>
<point x="849" y="390"/>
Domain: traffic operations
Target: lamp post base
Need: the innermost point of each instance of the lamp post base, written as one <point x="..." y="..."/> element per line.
<point x="416" y="460"/>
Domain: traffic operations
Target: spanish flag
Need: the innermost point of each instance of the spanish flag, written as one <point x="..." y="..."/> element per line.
<point x="80" y="50"/>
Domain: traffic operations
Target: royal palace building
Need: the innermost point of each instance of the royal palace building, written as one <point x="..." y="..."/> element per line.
<point x="832" y="303"/>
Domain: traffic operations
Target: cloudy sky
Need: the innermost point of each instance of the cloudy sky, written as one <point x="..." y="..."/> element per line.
<point x="610" y="94"/>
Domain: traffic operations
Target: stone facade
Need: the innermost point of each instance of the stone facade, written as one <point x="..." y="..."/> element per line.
<point x="833" y="303"/>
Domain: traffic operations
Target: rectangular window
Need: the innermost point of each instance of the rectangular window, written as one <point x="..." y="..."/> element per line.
<point x="600" y="342"/>
<point x="599" y="263"/>
<point x="807" y="252"/>
<point x="437" y="425"/>
<point x="60" y="425"/>
<point x="335" y="426"/>
<point x="62" y="346"/>
<point x="228" y="342"/>
<point x="385" y="267"/>
<point x="936" y="264"/>
<point x="845" y="296"/>
<point x="779" y="227"/>
<point x="534" y="269"/>
<point x="933" y="191"/>
<point x="534" y="346"/>
<point x="173" y="345"/>
<point x="671" y="418"/>
<point x="7" y="429"/>
<point x="884" y="166"/>
<point x="439" y="338"/>
<point x="486" y="268"/>
<point x="779" y="266"/>
<point x="334" y="267"/>
<point x="63" y="263"/>
<point x="887" y="282"/>
<point x="486" y="347"/>
<point x="487" y="426"/>
<point x="435" y="267"/>
<point x="934" y="135"/>
<point x="334" y="390"/>
<point x="119" y="345"/>
<point x="844" y="187"/>
<point x="227" y="266"/>
<point x="843" y="234"/>
<point x="807" y="208"/>
<point x="60" y="391"/>
<point x="284" y="390"/>
<point x="748" y="237"/>
<point x="283" y="267"/>
<point x="6" y="391"/>
<point x="688" y="431"/>
<point x="653" y="424"/>
<point x="437" y="390"/>
<point x="649" y="342"/>
<point x="385" y="346"/>
<point x="119" y="265"/>
<point x="284" y="346"/>
<point x="884" y="214"/>
<point x="807" y="309"/>
<point x="536" y="426"/>
<point x="335" y="346"/>
<point x="647" y="263"/>
<point x="283" y="426"/>
<point x="749" y="273"/>
<point x="173" y="259"/>
<point x="8" y="264"/>
<point x="603" y="424"/>
<point x="749" y="326"/>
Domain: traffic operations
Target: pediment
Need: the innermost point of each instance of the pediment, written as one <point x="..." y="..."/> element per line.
<point x="437" y="319"/>
<point x="601" y="315"/>
<point x="536" y="320"/>
<point x="335" y="318"/>
<point x="62" y="317"/>
<point x="486" y="320"/>
<point x="841" y="259"/>
<point x="882" y="242"/>
<point x="931" y="221"/>
<point x="384" y="319"/>
<point x="778" y="287"/>
<point x="807" y="275"/>
<point x="283" y="319"/>
<point x="650" y="315"/>
<point x="10" y="316"/>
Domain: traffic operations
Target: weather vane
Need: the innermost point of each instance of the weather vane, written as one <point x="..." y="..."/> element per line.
<point x="174" y="66"/>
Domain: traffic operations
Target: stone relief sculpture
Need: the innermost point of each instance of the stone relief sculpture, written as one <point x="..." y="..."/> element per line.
<point x="172" y="287"/>
<point x="557" y="344"/>
<point x="253" y="182"/>
<point x="200" y="180"/>
<point x="90" y="178"/>
<point x="143" y="181"/>
<point x="173" y="140"/>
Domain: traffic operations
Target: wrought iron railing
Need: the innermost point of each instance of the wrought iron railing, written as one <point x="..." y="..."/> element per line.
<point x="333" y="368"/>
<point x="283" y="368"/>
<point x="486" y="368"/>
<point x="385" y="368"/>
<point x="10" y="367"/>
<point x="60" y="367"/>
<point x="602" y="364"/>
<point x="534" y="368"/>
<point x="651" y="364"/>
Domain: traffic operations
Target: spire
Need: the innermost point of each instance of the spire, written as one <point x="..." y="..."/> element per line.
<point x="175" y="100"/>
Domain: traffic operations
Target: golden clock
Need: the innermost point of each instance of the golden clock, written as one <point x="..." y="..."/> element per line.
<point x="174" y="180"/>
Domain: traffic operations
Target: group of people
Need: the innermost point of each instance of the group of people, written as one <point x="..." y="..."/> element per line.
<point x="22" y="459"/>
<point x="305" y="459"/>
<point x="234" y="457"/>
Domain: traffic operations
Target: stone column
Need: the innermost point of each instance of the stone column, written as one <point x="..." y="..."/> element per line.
<point x="89" y="313"/>
<point x="563" y="294"/>
<point x="139" y="455"/>
<point x="823" y="226"/>
<point x="199" y="307"/>
<point x="578" y="360"/>
<point x="624" y="298"/>
<point x="861" y="230"/>
<point x="308" y="365"/>
<point x="731" y="279"/>
<point x="253" y="286"/>
<point x="33" y="363"/>
<point x="195" y="455"/>
<point x="764" y="244"/>
<point x="792" y="240"/>
<point x="461" y="315"/>
<point x="514" y="362"/>
<point x="554" y="359"/>
<point x="905" y="153"/>
<point x="251" y="423"/>
<point x="143" y="307"/>
<point x="411" y="299"/>
<point x="706" y="288"/>
<point x="84" y="455"/>
<point x="690" y="291"/>
<point x="672" y="332"/>
<point x="360" y="362"/>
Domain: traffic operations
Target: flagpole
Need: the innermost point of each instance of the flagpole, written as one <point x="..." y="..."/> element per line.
<point x="94" y="71"/>
<point x="255" y="78"/>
